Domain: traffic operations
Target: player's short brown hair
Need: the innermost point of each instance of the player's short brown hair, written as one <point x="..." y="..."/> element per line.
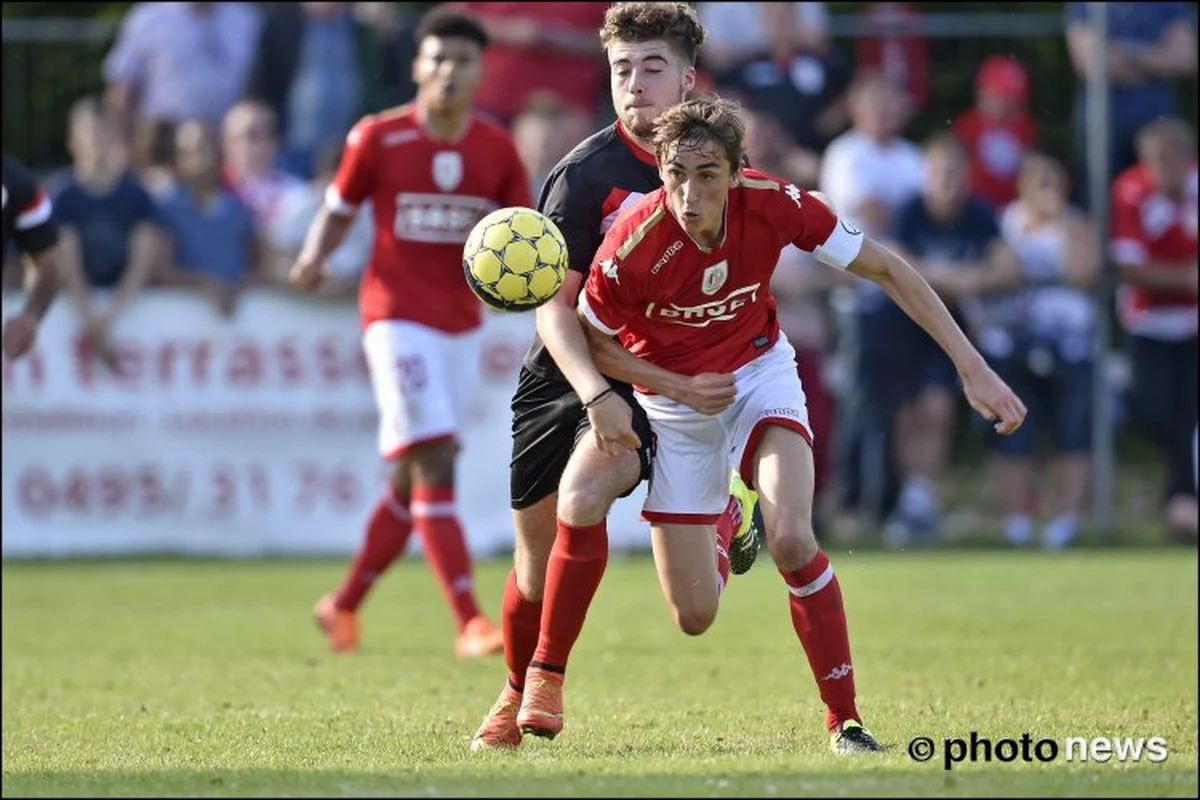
<point x="675" y="23"/>
<point x="1167" y="130"/>
<point x="704" y="119"/>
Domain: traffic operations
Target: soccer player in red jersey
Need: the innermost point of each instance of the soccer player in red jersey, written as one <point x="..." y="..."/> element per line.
<point x="708" y="307"/>
<point x="431" y="170"/>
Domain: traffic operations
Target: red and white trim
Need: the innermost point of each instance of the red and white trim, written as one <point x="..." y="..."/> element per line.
<point x="401" y="450"/>
<point x="338" y="204"/>
<point x="817" y="585"/>
<point x="746" y="468"/>
<point x="680" y="519"/>
<point x="445" y="508"/>
<point x="586" y="309"/>
<point x="34" y="214"/>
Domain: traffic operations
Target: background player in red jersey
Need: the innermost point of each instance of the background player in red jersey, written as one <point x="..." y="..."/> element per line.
<point x="431" y="170"/>
<point x="710" y="308"/>
<point x="29" y="222"/>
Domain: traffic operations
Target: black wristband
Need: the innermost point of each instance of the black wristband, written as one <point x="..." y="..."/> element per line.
<point x="598" y="398"/>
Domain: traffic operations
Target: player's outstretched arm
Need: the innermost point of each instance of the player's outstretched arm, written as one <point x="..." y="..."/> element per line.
<point x="562" y="333"/>
<point x="985" y="391"/>
<point x="326" y="232"/>
<point x="20" y="330"/>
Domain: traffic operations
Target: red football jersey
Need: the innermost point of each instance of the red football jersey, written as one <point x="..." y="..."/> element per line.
<point x="995" y="149"/>
<point x="426" y="195"/>
<point x="1149" y="226"/>
<point x="691" y="310"/>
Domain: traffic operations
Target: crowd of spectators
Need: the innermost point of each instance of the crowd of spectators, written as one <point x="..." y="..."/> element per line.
<point x="221" y="123"/>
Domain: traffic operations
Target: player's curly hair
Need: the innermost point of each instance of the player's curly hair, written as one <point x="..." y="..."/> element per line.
<point x="696" y="122"/>
<point x="675" y="23"/>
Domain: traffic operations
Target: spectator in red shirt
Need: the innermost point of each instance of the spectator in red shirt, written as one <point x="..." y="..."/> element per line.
<point x="539" y="46"/>
<point x="998" y="130"/>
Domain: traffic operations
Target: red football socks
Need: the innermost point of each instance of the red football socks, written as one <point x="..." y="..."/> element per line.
<point x="521" y="620"/>
<point x="577" y="563"/>
<point x="435" y="517"/>
<point x="820" y="622"/>
<point x="388" y="529"/>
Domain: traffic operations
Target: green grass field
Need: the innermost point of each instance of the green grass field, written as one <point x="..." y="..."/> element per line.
<point x="208" y="678"/>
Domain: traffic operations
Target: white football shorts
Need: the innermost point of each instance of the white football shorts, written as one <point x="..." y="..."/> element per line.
<point x="689" y="483"/>
<point x="422" y="378"/>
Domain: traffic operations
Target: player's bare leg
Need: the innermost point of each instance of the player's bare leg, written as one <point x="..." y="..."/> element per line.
<point x="684" y="556"/>
<point x="521" y="619"/>
<point x="783" y="475"/>
<point x="589" y="485"/>
<point x="386" y="536"/>
<point x="436" y="519"/>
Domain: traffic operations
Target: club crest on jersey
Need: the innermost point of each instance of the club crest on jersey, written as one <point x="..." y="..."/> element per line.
<point x="714" y="278"/>
<point x="447" y="170"/>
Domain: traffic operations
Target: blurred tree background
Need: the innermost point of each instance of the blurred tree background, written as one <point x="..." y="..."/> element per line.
<point x="45" y="72"/>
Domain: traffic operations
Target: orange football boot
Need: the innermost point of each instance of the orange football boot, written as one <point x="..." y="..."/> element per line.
<point x="541" y="711"/>
<point x="340" y="626"/>
<point x="499" y="730"/>
<point x="479" y="638"/>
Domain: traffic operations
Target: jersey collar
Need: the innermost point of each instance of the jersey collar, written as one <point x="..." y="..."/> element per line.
<point x="638" y="151"/>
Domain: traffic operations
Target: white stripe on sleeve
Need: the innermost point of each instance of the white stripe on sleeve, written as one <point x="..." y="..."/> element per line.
<point x="586" y="308"/>
<point x="337" y="204"/>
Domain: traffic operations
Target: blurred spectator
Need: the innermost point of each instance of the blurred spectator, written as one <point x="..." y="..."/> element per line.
<point x="110" y="234"/>
<point x="178" y="61"/>
<point x="214" y="247"/>
<point x="1043" y="345"/>
<point x="998" y="130"/>
<point x="737" y="32"/>
<point x="297" y="208"/>
<point x="953" y="239"/>
<point x="540" y="46"/>
<point x="320" y="66"/>
<point x="1149" y="44"/>
<point x="545" y="131"/>
<point x="797" y="76"/>
<point x="248" y="149"/>
<point x="800" y="285"/>
<point x="1154" y="247"/>
<point x="869" y="171"/>
<point x="154" y="156"/>
<point x="898" y="51"/>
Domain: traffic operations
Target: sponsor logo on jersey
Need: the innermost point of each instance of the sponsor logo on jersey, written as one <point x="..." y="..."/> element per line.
<point x="703" y="315"/>
<point x="438" y="218"/>
<point x="675" y="247"/>
<point x="447" y="170"/>
<point x="714" y="278"/>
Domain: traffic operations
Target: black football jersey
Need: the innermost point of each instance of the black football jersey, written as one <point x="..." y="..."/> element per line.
<point x="28" y="214"/>
<point x="583" y="195"/>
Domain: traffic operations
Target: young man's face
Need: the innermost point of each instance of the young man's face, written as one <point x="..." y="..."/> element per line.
<point x="946" y="175"/>
<point x="1168" y="161"/>
<point x="447" y="71"/>
<point x="697" y="177"/>
<point x="647" y="78"/>
<point x="249" y="139"/>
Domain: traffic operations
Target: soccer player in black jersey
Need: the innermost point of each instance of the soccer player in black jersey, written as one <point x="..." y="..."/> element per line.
<point x="580" y="441"/>
<point x="29" y="223"/>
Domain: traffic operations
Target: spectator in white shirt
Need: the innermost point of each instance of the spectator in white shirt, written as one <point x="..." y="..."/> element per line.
<point x="180" y="61"/>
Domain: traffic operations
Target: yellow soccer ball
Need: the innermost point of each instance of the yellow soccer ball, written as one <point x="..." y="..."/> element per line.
<point x="515" y="259"/>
